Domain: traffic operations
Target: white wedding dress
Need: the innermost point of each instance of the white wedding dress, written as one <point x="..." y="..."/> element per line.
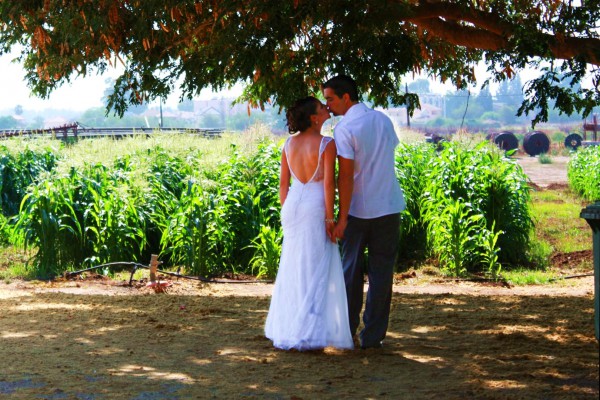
<point x="308" y="306"/>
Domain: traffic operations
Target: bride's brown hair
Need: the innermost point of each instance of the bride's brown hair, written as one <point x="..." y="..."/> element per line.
<point x="298" y="115"/>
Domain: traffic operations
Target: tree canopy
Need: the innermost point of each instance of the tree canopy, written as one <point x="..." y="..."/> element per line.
<point x="281" y="50"/>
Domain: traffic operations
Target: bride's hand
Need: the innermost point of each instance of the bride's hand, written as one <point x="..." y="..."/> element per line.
<point x="329" y="228"/>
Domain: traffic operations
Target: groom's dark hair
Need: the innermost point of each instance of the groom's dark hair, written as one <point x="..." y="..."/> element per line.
<point x="342" y="84"/>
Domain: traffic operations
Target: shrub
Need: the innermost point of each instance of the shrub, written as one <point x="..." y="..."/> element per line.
<point x="583" y="173"/>
<point x="81" y="218"/>
<point x="470" y="196"/>
<point x="17" y="172"/>
<point x="544" y="158"/>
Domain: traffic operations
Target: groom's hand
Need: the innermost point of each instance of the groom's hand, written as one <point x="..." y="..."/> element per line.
<point x="340" y="227"/>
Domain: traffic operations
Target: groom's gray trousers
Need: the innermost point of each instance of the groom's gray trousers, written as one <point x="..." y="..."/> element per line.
<point x="381" y="237"/>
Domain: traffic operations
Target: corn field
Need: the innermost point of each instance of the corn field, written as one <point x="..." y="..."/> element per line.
<point x="210" y="206"/>
<point x="583" y="172"/>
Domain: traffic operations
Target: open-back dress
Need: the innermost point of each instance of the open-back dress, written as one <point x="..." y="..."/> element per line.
<point x="308" y="306"/>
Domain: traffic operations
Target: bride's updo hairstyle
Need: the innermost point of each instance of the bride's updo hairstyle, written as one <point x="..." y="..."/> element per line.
<point x="298" y="115"/>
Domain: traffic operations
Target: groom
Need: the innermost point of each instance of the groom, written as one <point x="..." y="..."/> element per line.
<point x="370" y="204"/>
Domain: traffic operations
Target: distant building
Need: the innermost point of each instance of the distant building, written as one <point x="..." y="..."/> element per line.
<point x="56" y="122"/>
<point x="420" y="116"/>
<point x="221" y="107"/>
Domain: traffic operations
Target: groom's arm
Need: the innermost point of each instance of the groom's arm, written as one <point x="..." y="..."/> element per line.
<point x="345" y="187"/>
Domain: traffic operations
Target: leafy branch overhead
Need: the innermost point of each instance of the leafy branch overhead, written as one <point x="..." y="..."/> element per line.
<point x="284" y="49"/>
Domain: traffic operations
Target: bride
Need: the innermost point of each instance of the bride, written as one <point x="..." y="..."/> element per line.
<point x="308" y="307"/>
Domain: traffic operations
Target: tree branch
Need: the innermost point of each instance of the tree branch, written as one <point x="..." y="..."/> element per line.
<point x="462" y="35"/>
<point x="490" y="33"/>
<point x="490" y="22"/>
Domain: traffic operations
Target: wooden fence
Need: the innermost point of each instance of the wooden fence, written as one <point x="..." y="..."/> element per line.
<point x="77" y="131"/>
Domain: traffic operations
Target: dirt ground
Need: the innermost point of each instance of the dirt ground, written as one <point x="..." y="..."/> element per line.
<point x="93" y="338"/>
<point x="544" y="175"/>
<point x="100" y="339"/>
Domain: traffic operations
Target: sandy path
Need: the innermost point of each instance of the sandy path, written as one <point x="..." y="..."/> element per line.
<point x="544" y="175"/>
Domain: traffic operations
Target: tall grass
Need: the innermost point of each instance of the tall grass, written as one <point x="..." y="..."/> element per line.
<point x="583" y="172"/>
<point x="211" y="206"/>
<point x="412" y="164"/>
<point x="558" y="222"/>
<point x="470" y="202"/>
<point x="18" y="171"/>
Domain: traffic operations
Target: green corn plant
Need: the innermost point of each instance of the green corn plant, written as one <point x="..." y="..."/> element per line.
<point x="17" y="172"/>
<point x="506" y="204"/>
<point x="583" y="173"/>
<point x="267" y="250"/>
<point x="248" y="191"/>
<point x="117" y="227"/>
<point x="94" y="212"/>
<point x="493" y="186"/>
<point x="412" y="161"/>
<point x="489" y="252"/>
<point x="167" y="179"/>
<point x="137" y="201"/>
<point x="454" y="233"/>
<point x="190" y="220"/>
<point x="48" y="223"/>
<point x="78" y="219"/>
<point x="113" y="219"/>
<point x="195" y="235"/>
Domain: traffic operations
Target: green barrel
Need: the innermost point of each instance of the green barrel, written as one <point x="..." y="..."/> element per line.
<point x="592" y="215"/>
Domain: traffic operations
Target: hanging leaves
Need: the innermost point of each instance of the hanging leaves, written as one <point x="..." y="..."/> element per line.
<point x="113" y="14"/>
<point x="283" y="50"/>
<point x="40" y="39"/>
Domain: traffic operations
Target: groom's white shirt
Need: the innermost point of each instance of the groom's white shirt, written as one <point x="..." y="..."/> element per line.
<point x="368" y="137"/>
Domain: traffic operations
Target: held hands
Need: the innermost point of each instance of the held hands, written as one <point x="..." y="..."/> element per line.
<point x="335" y="231"/>
<point x="329" y="228"/>
<point x="339" y="229"/>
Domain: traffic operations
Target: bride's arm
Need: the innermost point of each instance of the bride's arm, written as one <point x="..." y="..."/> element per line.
<point x="329" y="156"/>
<point x="284" y="178"/>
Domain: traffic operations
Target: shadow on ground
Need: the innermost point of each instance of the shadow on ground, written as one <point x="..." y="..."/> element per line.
<point x="59" y="346"/>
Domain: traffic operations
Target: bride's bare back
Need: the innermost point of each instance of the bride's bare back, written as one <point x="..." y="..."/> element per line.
<point x="303" y="155"/>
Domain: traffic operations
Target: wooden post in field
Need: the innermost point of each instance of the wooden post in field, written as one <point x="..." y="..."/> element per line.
<point x="153" y="267"/>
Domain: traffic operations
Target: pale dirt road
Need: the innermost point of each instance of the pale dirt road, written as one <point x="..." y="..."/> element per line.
<point x="544" y="175"/>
